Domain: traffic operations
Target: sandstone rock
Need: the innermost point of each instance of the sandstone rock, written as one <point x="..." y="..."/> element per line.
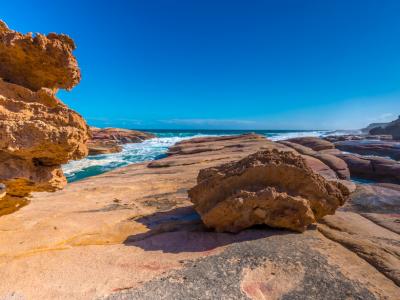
<point x="35" y="140"/>
<point x="314" y="143"/>
<point x="268" y="187"/>
<point x="336" y="164"/>
<point x="212" y="139"/>
<point x="319" y="167"/>
<point x="376" y="168"/>
<point x="97" y="148"/>
<point x="38" y="132"/>
<point x="325" y="156"/>
<point x="299" y="148"/>
<point x="37" y="61"/>
<point x="119" y="135"/>
<point x="375" y="244"/>
<point x="371" y="147"/>
<point x="108" y="140"/>
<point x="376" y="198"/>
<point x="134" y="232"/>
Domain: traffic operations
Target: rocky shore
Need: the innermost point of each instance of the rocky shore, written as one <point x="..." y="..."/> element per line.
<point x="133" y="233"/>
<point x="109" y="140"/>
<point x="228" y="217"/>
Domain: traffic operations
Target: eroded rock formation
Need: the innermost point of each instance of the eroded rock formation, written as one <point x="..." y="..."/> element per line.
<point x="37" y="61"/>
<point x="38" y="132"/>
<point x="269" y="187"/>
<point x="109" y="140"/>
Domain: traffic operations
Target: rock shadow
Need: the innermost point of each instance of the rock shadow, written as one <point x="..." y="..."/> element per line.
<point x="181" y="230"/>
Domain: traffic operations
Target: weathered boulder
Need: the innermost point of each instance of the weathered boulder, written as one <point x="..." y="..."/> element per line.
<point x="37" y="61"/>
<point x="314" y="143"/>
<point x="268" y="187"/>
<point x="38" y="132"/>
<point x="371" y="147"/>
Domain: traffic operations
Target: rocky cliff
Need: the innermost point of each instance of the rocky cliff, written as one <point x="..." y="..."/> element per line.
<point x="38" y="132"/>
<point x="392" y="128"/>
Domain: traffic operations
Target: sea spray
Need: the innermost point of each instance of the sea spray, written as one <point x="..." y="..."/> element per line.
<point x="156" y="148"/>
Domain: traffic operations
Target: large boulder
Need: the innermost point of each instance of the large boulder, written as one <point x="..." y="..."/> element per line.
<point x="38" y="132"/>
<point x="268" y="187"/>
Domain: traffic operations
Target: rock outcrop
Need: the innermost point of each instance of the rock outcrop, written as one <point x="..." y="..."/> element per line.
<point x="38" y="61"/>
<point x="327" y="156"/>
<point x="391" y="128"/>
<point x="269" y="187"/>
<point x="134" y="232"/>
<point x="109" y="140"/>
<point x="356" y="137"/>
<point x="38" y="132"/>
<point x="314" y="143"/>
<point x="371" y="147"/>
<point x="375" y="168"/>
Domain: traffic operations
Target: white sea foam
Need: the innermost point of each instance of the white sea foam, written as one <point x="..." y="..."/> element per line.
<point x="131" y="153"/>
<point x="290" y="135"/>
<point x="149" y="150"/>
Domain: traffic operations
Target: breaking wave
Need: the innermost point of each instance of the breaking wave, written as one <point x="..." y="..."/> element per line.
<point x="155" y="149"/>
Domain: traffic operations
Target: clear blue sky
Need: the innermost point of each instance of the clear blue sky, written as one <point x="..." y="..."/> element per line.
<point x="275" y="64"/>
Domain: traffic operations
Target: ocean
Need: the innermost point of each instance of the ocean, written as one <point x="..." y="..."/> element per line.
<point x="157" y="147"/>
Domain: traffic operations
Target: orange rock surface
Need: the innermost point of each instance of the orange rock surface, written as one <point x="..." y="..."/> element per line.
<point x="269" y="187"/>
<point x="37" y="61"/>
<point x="38" y="132"/>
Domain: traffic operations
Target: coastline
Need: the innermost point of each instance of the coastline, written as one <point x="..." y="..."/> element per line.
<point x="157" y="147"/>
<point x="134" y="232"/>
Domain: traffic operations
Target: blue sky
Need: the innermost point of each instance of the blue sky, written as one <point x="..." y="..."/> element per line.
<point x="275" y="64"/>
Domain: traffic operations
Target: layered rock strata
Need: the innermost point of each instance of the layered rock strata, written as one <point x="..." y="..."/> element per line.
<point x="383" y="148"/>
<point x="38" y="132"/>
<point x="314" y="143"/>
<point x="269" y="187"/>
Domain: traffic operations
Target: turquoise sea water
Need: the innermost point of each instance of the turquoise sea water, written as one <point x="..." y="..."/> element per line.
<point x="156" y="148"/>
